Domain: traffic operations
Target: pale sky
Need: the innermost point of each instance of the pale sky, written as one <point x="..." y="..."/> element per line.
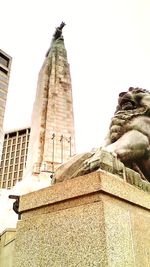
<point x="108" y="46"/>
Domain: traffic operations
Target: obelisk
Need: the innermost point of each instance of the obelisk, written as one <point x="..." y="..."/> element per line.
<point x="52" y="139"/>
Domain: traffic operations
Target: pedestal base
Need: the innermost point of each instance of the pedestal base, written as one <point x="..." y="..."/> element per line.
<point x="93" y="220"/>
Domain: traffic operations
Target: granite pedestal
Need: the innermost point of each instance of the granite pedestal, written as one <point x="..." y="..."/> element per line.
<point x="94" y="220"/>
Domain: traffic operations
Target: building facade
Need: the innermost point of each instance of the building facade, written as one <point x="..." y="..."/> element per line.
<point x="14" y="156"/>
<point x="5" y="66"/>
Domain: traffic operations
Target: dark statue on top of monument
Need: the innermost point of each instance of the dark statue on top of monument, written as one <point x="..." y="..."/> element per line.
<point x="127" y="147"/>
<point x="58" y="31"/>
<point x="57" y="35"/>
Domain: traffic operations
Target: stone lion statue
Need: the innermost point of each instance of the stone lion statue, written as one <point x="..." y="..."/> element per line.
<point x="128" y="139"/>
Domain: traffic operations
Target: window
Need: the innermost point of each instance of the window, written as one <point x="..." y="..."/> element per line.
<point x="19" y="140"/>
<point x="9" y="142"/>
<point x="24" y="138"/>
<point x="22" y="159"/>
<point x="10" y="175"/>
<point x="23" y="145"/>
<point x="18" y="147"/>
<point x="2" y="163"/>
<point x="14" y="182"/>
<point x="16" y="167"/>
<point x="14" y="141"/>
<point x="4" y="143"/>
<point x="12" y="154"/>
<point x="5" y="177"/>
<point x="23" y="152"/>
<point x="20" y="174"/>
<point x="21" y="166"/>
<point x="17" y="153"/>
<point x="13" y="147"/>
<point x="17" y="160"/>
<point x="15" y="174"/>
<point x="11" y="161"/>
<point x="6" y="169"/>
<point x="4" y="60"/>
<point x="3" y="70"/>
<point x="9" y="184"/>
<point x="10" y="168"/>
<point x="4" y="184"/>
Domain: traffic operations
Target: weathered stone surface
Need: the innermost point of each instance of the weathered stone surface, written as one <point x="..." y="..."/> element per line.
<point x="94" y="220"/>
<point x="52" y="139"/>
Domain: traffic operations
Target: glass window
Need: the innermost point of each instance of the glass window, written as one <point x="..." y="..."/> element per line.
<point x="4" y="148"/>
<point x="14" y="141"/>
<point x="23" y="145"/>
<point x="18" y="146"/>
<point x="7" y="156"/>
<point x="12" y="154"/>
<point x="11" y="161"/>
<point x="19" y="140"/>
<point x="5" y="143"/>
<point x="5" y="177"/>
<point x="20" y="173"/>
<point x="16" y="167"/>
<point x="22" y="159"/>
<point x="10" y="168"/>
<point x="24" y="138"/>
<point x="9" y="142"/>
<point x="17" y="160"/>
<point x="13" y="147"/>
<point x="17" y="153"/>
<point x="6" y="162"/>
<point x="4" y="184"/>
<point x="14" y="182"/>
<point x="15" y="174"/>
<point x="21" y="166"/>
<point x="9" y="184"/>
<point x="23" y="152"/>
<point x="10" y="175"/>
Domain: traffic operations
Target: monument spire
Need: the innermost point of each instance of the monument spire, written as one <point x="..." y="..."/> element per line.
<point x="52" y="139"/>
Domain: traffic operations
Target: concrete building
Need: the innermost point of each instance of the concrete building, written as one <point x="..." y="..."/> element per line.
<point x="5" y="65"/>
<point x="7" y="239"/>
<point x="14" y="156"/>
<point x="52" y="139"/>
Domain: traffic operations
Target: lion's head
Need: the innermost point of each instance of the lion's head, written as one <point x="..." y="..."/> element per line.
<point x="135" y="102"/>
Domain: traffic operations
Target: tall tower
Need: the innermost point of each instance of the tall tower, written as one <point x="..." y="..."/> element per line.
<point x="5" y="65"/>
<point x="52" y="138"/>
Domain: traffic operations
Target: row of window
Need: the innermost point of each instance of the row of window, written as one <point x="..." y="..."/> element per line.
<point x="12" y="154"/>
<point x="8" y="184"/>
<point x="10" y="168"/>
<point x="15" y="175"/>
<point x="14" y="140"/>
<point x="22" y="159"/>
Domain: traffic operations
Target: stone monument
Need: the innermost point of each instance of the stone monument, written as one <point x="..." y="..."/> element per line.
<point x="52" y="139"/>
<point x="97" y="212"/>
